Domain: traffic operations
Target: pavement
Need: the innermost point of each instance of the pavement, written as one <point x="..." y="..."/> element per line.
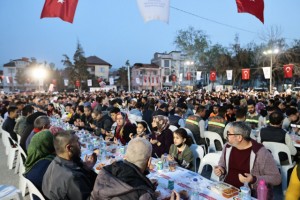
<point x="8" y="177"/>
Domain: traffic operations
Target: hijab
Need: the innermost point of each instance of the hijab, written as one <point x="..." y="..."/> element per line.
<point x="162" y="123"/>
<point x="40" y="147"/>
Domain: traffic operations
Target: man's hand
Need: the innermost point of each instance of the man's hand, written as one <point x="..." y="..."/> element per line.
<point x="90" y="160"/>
<point x="246" y="178"/>
<point x="175" y="195"/>
<point x="153" y="141"/>
<point x="170" y="158"/>
<point x="219" y="171"/>
<point x="93" y="126"/>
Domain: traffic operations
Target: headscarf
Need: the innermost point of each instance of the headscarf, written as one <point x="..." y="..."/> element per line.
<point x="40" y="147"/>
<point x="162" y="123"/>
<point x="120" y="128"/>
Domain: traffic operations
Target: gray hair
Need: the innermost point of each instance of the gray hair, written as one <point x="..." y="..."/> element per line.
<point x="138" y="152"/>
<point x="242" y="129"/>
<point x="41" y="122"/>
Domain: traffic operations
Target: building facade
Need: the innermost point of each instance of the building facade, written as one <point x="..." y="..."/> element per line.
<point x="146" y="77"/>
<point x="98" y="67"/>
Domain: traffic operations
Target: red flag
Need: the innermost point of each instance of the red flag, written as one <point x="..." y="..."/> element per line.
<point x="64" y="9"/>
<point x="152" y="79"/>
<point x="288" y="70"/>
<point x="157" y="79"/>
<point x="145" y="79"/>
<point x="254" y="7"/>
<point x="77" y="83"/>
<point x="212" y="76"/>
<point x="188" y="76"/>
<point x="245" y="74"/>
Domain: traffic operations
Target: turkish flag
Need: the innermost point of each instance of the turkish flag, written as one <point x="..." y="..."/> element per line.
<point x="245" y="74"/>
<point x="145" y="79"/>
<point x="254" y="7"/>
<point x="64" y="9"/>
<point x="188" y="76"/>
<point x="288" y="70"/>
<point x="212" y="76"/>
<point x="77" y="83"/>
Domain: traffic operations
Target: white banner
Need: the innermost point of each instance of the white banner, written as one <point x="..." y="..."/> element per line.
<point x="89" y="82"/>
<point x="198" y="76"/>
<point x="111" y="81"/>
<point x="154" y="9"/>
<point x="229" y="74"/>
<point x="180" y="77"/>
<point x="7" y="79"/>
<point x="167" y="79"/>
<point x="66" y="82"/>
<point x="267" y="72"/>
<point x="51" y="88"/>
<point x="137" y="80"/>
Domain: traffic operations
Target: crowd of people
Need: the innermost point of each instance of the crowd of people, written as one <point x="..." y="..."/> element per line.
<point x="142" y="121"/>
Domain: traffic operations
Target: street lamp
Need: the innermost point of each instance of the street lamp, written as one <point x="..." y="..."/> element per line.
<point x="39" y="73"/>
<point x="271" y="52"/>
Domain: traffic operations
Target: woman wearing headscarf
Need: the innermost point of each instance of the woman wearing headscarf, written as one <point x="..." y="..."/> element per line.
<point x="40" y="154"/>
<point x="124" y="128"/>
<point x="162" y="136"/>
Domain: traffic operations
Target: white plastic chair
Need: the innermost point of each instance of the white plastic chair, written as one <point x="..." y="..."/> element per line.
<point x="12" y="151"/>
<point x="190" y="133"/>
<point x="5" y="140"/>
<point x="22" y="181"/>
<point x="33" y="190"/>
<point x="8" y="192"/>
<point x="18" y="161"/>
<point x="213" y="136"/>
<point x="211" y="159"/>
<point x="173" y="128"/>
<point x="198" y="152"/>
<point x="275" y="149"/>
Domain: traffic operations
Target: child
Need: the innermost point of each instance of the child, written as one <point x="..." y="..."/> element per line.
<point x="142" y="130"/>
<point x="180" y="150"/>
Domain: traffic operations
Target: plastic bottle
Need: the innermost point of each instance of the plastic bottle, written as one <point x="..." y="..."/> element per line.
<point x="262" y="190"/>
<point x="195" y="195"/>
<point x="245" y="193"/>
<point x="165" y="161"/>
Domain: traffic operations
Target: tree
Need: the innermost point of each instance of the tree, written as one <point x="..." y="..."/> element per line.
<point x="77" y="71"/>
<point x="122" y="81"/>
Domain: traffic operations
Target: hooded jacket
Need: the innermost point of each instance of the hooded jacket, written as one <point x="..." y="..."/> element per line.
<point x="121" y="181"/>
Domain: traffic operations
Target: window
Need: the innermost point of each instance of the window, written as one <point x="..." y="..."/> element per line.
<point x="166" y="63"/>
<point x="167" y="72"/>
<point x="102" y="69"/>
<point x="155" y="72"/>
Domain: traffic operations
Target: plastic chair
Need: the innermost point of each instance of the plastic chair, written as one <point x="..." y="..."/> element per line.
<point x="275" y="149"/>
<point x="22" y="181"/>
<point x="5" y="140"/>
<point x="12" y="151"/>
<point x="8" y="192"/>
<point x="190" y="133"/>
<point x="213" y="136"/>
<point x="211" y="159"/>
<point x="173" y="128"/>
<point x="198" y="152"/>
<point x="33" y="190"/>
<point x="18" y="161"/>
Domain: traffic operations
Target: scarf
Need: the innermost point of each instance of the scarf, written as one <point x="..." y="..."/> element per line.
<point x="162" y="123"/>
<point x="40" y="147"/>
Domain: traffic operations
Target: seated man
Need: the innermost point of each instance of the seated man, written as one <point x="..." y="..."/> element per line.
<point x="126" y="179"/>
<point x="243" y="160"/>
<point x="10" y="122"/>
<point x="274" y="133"/>
<point x="67" y="177"/>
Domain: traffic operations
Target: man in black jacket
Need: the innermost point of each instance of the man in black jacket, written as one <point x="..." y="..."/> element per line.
<point x="127" y="179"/>
<point x="10" y="122"/>
<point x="67" y="177"/>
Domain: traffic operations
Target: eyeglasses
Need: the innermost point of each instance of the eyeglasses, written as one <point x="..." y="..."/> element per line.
<point x="228" y="134"/>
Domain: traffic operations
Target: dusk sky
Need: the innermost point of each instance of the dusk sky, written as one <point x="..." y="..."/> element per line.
<point x="115" y="31"/>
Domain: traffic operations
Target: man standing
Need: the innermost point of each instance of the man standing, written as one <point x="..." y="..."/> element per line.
<point x="243" y="160"/>
<point x="126" y="179"/>
<point x="76" y="178"/>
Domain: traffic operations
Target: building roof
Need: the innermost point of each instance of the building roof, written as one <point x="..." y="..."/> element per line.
<point x="10" y="64"/>
<point x="141" y="65"/>
<point x="94" y="60"/>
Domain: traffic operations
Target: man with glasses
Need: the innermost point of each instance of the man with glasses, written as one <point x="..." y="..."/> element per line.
<point x="244" y="160"/>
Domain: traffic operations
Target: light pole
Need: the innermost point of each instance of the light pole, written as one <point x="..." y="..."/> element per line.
<point x="271" y="52"/>
<point x="128" y="74"/>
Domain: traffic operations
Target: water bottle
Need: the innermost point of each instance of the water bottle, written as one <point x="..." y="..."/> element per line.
<point x="165" y="161"/>
<point x="262" y="190"/>
<point x="195" y="195"/>
<point x="245" y="193"/>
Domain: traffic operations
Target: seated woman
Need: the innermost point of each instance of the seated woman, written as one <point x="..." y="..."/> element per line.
<point x="162" y="136"/>
<point x="123" y="129"/>
<point x="142" y="130"/>
<point x="40" y="154"/>
<point x="293" y="191"/>
<point x="180" y="150"/>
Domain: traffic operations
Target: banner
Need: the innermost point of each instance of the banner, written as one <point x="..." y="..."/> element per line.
<point x="229" y="75"/>
<point x="157" y="79"/>
<point x="212" y="76"/>
<point x="198" y="75"/>
<point x="112" y="82"/>
<point x="180" y="77"/>
<point x="167" y="79"/>
<point x="7" y="80"/>
<point x="267" y="72"/>
<point x="145" y="79"/>
<point x="51" y="87"/>
<point x="254" y="7"/>
<point x="154" y="10"/>
<point x="89" y="82"/>
<point x="66" y="82"/>
<point x="64" y="9"/>
<point x="188" y="76"/>
<point x="137" y="80"/>
<point x="245" y="74"/>
<point x="288" y="70"/>
<point x="152" y="79"/>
